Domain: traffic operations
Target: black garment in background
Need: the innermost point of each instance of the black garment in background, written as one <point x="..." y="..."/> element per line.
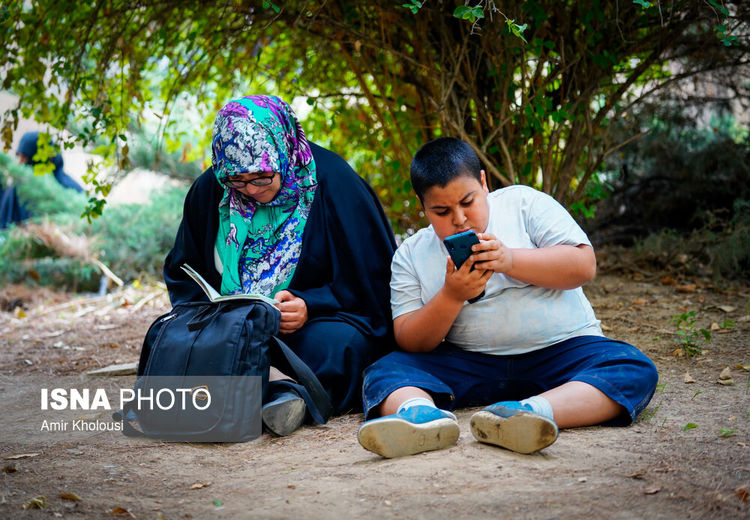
<point x="28" y="147"/>
<point x="343" y="273"/>
<point x="12" y="211"/>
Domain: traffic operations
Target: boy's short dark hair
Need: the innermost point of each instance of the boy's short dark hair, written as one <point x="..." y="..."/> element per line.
<point x="440" y="161"/>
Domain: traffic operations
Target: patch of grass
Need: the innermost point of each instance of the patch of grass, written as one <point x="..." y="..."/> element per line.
<point x="648" y="414"/>
<point x="688" y="334"/>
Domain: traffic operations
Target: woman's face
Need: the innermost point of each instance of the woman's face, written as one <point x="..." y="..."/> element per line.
<point x="458" y="206"/>
<point x="263" y="194"/>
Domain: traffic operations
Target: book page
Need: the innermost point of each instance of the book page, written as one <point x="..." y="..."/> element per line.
<point x="214" y="296"/>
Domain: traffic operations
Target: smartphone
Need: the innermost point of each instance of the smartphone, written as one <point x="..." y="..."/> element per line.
<point x="459" y="246"/>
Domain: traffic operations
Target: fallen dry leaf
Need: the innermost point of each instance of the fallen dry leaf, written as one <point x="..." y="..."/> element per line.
<point x="726" y="308"/>
<point x="715" y="326"/>
<point x="10" y="468"/>
<point x="121" y="511"/>
<point x="70" y="496"/>
<point x="21" y="456"/>
<point x="746" y="368"/>
<point x="638" y="475"/>
<point x="688" y="288"/>
<point x="668" y="280"/>
<point x="725" y="378"/>
<point x="688" y="378"/>
<point x="743" y="492"/>
<point x="199" y="485"/>
<point x="651" y="490"/>
<point x="36" y="503"/>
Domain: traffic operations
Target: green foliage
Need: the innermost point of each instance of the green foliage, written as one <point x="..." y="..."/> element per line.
<point x="725" y="432"/>
<point x="688" y="334"/>
<point x="465" y="12"/>
<point x="728" y="323"/>
<point x="40" y="194"/>
<point x="413" y="6"/>
<point x="131" y="239"/>
<point x="689" y="426"/>
<point x="730" y="255"/>
<point x="681" y="190"/>
<point x="535" y="88"/>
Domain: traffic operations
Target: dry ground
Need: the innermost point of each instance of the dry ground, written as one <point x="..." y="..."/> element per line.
<point x="655" y="469"/>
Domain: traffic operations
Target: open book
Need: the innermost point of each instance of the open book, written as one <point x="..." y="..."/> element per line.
<point x="214" y="296"/>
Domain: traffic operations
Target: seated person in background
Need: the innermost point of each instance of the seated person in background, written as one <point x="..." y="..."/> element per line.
<point x="531" y="345"/>
<point x="12" y="211"/>
<point x="285" y="218"/>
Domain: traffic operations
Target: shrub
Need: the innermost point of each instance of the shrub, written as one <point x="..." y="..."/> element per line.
<point x="57" y="247"/>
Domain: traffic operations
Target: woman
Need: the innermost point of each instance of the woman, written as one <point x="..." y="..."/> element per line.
<point x="283" y="217"/>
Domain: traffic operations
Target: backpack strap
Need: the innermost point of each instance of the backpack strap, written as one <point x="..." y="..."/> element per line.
<point x="126" y="415"/>
<point x="316" y="398"/>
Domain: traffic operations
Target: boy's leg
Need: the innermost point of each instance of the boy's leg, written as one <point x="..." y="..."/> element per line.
<point x="588" y="380"/>
<point x="577" y="404"/>
<point x="447" y="376"/>
<point x="400" y="388"/>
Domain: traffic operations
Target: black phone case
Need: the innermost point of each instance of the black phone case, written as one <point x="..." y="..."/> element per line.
<point x="459" y="247"/>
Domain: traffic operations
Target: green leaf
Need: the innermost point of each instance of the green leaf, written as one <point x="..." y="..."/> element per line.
<point x="267" y="4"/>
<point x="515" y="29"/>
<point x="689" y="426"/>
<point x="643" y="3"/>
<point x="413" y="6"/>
<point x="728" y="323"/>
<point x="472" y="14"/>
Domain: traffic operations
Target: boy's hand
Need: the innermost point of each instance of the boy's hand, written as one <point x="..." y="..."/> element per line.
<point x="464" y="284"/>
<point x="491" y="254"/>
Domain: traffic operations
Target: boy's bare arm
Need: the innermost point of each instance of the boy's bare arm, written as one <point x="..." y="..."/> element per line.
<point x="554" y="267"/>
<point x="423" y="330"/>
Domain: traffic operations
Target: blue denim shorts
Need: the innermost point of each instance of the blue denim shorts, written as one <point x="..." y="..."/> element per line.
<point x="457" y="378"/>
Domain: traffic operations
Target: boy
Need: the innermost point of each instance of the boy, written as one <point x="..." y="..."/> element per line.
<point x="532" y="344"/>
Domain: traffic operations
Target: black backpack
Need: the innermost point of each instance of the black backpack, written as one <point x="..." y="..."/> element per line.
<point x="203" y="374"/>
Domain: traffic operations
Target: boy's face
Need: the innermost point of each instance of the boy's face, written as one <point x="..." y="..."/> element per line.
<point x="458" y="206"/>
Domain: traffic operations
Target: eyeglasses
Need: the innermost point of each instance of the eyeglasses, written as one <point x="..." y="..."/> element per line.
<point x="257" y="181"/>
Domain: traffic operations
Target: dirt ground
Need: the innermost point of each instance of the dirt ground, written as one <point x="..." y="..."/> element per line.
<point x="688" y="456"/>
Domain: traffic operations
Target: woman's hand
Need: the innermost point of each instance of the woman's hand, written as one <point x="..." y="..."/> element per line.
<point x="293" y="312"/>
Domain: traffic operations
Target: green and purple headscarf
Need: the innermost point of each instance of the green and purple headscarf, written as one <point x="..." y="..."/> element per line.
<point x="259" y="244"/>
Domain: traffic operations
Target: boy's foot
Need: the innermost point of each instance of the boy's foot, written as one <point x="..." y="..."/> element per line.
<point x="414" y="430"/>
<point x="284" y="413"/>
<point x="511" y="425"/>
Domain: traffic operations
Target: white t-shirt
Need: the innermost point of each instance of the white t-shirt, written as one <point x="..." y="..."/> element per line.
<point x="513" y="317"/>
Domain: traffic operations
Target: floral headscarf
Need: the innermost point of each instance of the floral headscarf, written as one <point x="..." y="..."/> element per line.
<point x="259" y="243"/>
